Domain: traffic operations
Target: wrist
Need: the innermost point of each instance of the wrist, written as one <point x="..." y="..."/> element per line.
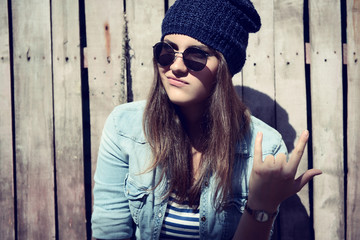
<point x="262" y="205"/>
<point x="260" y="215"/>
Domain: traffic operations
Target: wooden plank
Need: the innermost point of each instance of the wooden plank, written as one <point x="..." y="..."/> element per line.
<point x="144" y="25"/>
<point x="353" y="119"/>
<point x="258" y="72"/>
<point x="327" y="118"/>
<point x="291" y="111"/>
<point x="106" y="64"/>
<point x="238" y="84"/>
<point x="33" y="119"/>
<point x="171" y="2"/>
<point x="7" y="218"/>
<point x="68" y="120"/>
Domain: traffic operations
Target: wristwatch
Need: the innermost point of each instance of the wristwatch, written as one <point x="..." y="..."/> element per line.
<point x="260" y="215"/>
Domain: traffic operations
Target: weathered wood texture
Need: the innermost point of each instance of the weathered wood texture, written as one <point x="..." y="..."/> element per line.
<point x="327" y="118"/>
<point x="353" y="119"/>
<point x="144" y="28"/>
<point x="291" y="113"/>
<point x="274" y="89"/>
<point x="68" y="120"/>
<point x="258" y="72"/>
<point x="34" y="137"/>
<point x="42" y="68"/>
<point x="7" y="218"/>
<point x="171" y="2"/>
<point x="105" y="28"/>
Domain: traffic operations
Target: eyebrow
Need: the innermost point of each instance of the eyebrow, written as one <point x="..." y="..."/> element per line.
<point x="201" y="46"/>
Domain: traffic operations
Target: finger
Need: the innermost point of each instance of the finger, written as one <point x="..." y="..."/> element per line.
<point x="299" y="150"/>
<point x="305" y="178"/>
<point x="275" y="161"/>
<point x="269" y="162"/>
<point x="258" y="149"/>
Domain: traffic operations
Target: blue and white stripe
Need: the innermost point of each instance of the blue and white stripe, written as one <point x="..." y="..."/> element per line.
<point x="180" y="222"/>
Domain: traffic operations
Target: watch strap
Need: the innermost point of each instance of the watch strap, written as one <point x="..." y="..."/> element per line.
<point x="260" y="215"/>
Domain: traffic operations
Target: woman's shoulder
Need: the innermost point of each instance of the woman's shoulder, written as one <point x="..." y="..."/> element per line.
<point x="131" y="107"/>
<point x="126" y="120"/>
<point x="272" y="139"/>
<point x="257" y="125"/>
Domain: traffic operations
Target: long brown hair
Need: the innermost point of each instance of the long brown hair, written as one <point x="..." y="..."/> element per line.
<point x="225" y="122"/>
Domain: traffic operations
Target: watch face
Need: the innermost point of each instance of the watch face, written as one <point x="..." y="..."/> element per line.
<point x="261" y="216"/>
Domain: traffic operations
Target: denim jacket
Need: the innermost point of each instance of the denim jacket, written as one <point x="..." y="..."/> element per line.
<point x="126" y="204"/>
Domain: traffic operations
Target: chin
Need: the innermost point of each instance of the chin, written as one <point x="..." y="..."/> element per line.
<point x="187" y="103"/>
<point x="180" y="102"/>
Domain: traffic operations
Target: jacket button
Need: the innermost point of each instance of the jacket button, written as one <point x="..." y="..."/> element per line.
<point x="159" y="214"/>
<point x="206" y="184"/>
<point x="203" y="218"/>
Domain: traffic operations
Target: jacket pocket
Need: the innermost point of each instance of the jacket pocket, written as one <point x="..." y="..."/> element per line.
<point x="136" y="195"/>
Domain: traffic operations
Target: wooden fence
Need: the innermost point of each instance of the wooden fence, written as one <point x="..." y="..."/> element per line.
<point x="65" y="64"/>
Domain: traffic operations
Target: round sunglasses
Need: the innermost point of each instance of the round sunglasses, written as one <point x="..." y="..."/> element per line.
<point x="194" y="58"/>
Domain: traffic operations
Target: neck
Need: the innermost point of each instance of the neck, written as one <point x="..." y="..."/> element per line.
<point x="193" y="117"/>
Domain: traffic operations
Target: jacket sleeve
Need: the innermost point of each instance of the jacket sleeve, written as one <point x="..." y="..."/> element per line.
<point x="111" y="218"/>
<point x="281" y="148"/>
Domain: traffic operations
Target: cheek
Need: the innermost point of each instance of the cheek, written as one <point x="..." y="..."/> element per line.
<point x="211" y="83"/>
<point x="205" y="85"/>
<point x="163" y="70"/>
<point x="163" y="78"/>
<point x="209" y="79"/>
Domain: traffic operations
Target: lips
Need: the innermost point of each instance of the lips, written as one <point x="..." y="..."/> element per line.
<point x="176" y="82"/>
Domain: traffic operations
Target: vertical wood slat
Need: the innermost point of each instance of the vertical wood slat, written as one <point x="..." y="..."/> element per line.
<point x="144" y="25"/>
<point x="353" y="119"/>
<point x="68" y="120"/>
<point x="291" y="114"/>
<point x="258" y="72"/>
<point x="171" y="2"/>
<point x="106" y="64"/>
<point x="327" y="118"/>
<point x="33" y="119"/>
<point x="7" y="218"/>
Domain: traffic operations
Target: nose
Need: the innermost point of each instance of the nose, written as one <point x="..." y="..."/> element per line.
<point x="178" y="65"/>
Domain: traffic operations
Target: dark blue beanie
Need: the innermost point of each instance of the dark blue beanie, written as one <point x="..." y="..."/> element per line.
<point x="223" y="25"/>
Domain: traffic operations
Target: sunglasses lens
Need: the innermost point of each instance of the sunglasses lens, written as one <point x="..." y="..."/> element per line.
<point x="164" y="54"/>
<point x="195" y="59"/>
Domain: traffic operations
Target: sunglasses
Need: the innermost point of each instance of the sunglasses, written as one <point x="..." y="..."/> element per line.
<point x="194" y="58"/>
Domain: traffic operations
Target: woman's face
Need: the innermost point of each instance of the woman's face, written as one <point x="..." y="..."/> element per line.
<point x="186" y="87"/>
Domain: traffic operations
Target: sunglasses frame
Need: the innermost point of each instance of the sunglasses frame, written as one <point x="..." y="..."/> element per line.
<point x="206" y="54"/>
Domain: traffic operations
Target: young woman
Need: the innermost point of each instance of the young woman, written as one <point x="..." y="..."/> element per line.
<point x="191" y="163"/>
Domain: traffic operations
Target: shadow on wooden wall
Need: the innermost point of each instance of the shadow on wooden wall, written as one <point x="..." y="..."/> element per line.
<point x="294" y="221"/>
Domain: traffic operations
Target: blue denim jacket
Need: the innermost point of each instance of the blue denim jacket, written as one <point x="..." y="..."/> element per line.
<point x="125" y="203"/>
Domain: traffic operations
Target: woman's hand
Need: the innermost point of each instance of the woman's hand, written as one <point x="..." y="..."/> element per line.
<point x="273" y="180"/>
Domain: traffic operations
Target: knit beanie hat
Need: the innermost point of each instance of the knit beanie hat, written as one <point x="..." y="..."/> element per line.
<point x="223" y="25"/>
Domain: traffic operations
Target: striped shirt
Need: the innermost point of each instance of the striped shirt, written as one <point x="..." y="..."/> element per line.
<point x="180" y="221"/>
